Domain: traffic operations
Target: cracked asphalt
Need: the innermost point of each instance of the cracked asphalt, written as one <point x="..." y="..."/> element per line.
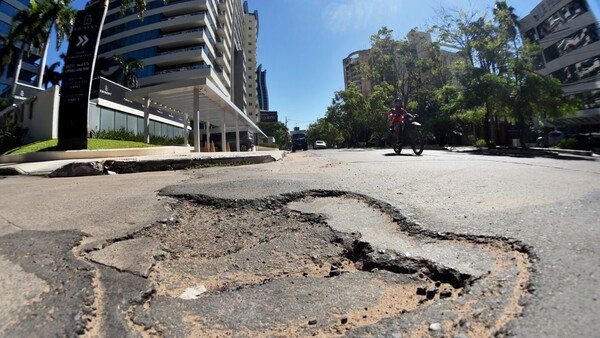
<point x="331" y="243"/>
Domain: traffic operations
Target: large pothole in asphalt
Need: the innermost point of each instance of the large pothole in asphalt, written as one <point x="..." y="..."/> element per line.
<point x="328" y="264"/>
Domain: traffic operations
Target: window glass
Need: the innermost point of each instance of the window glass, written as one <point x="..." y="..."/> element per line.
<point x="94" y="117"/>
<point x="120" y="121"/>
<point x="107" y="119"/>
<point x="8" y="9"/>
<point x="140" y="126"/>
<point x="132" y="123"/>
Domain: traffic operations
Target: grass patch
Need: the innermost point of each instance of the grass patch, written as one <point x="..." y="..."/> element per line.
<point x="93" y="144"/>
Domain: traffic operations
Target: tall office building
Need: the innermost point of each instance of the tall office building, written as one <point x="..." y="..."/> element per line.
<point x="8" y="9"/>
<point x="251" y="44"/>
<point x="568" y="33"/>
<point x="262" y="92"/>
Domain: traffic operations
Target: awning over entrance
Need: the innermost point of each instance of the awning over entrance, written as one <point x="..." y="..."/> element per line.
<point x="198" y="99"/>
<point x="583" y="118"/>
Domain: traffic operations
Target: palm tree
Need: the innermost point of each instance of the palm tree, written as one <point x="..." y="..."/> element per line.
<point x="8" y="51"/>
<point x="126" y="70"/>
<point x="26" y="34"/>
<point x="57" y="15"/>
<point x="51" y="75"/>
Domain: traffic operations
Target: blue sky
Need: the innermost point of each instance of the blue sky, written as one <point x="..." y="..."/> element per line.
<point x="302" y="43"/>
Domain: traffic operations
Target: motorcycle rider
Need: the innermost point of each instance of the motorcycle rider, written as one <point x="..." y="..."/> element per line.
<point x="396" y="119"/>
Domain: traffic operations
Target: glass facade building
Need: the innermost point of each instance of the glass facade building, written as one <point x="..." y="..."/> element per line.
<point x="8" y="9"/>
<point x="569" y="36"/>
<point x="262" y="92"/>
<point x="212" y="41"/>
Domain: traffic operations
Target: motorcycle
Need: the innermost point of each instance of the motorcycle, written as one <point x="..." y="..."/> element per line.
<point x="412" y="135"/>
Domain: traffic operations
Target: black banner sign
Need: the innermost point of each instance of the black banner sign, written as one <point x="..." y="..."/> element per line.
<point x="268" y="116"/>
<point x="77" y="77"/>
<point x="110" y="91"/>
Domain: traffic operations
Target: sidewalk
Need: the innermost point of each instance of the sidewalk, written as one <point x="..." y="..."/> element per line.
<point x="98" y="162"/>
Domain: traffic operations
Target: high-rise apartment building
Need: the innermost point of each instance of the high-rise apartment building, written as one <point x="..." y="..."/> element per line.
<point x="184" y="38"/>
<point x="199" y="59"/>
<point x="251" y="44"/>
<point x="8" y="9"/>
<point x="352" y="70"/>
<point x="568" y="33"/>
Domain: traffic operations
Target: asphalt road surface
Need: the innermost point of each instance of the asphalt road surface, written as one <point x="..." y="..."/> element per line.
<point x="328" y="243"/>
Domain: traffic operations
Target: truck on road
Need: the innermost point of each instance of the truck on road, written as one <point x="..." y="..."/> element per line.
<point x="299" y="139"/>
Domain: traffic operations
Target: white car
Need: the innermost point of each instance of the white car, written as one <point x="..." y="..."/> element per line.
<point x="320" y="145"/>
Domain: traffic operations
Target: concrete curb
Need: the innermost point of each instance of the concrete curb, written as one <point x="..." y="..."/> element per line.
<point x="87" y="154"/>
<point x="123" y="162"/>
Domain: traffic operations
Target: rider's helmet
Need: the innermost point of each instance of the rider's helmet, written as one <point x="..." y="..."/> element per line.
<point x="397" y="102"/>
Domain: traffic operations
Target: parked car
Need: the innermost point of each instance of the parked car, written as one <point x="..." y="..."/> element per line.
<point x="554" y="138"/>
<point x="320" y="145"/>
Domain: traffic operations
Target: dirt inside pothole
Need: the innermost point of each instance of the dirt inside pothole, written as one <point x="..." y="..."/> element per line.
<point x="244" y="254"/>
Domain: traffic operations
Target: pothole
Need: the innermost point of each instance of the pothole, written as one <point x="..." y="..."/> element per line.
<point x="326" y="264"/>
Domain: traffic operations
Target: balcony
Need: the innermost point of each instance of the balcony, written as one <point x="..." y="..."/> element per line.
<point x="180" y="50"/>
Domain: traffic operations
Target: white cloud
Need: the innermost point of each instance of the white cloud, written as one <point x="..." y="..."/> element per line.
<point x="349" y="15"/>
<point x="346" y="16"/>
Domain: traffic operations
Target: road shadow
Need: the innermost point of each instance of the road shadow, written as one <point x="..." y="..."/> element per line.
<point x="532" y="154"/>
<point x="401" y="154"/>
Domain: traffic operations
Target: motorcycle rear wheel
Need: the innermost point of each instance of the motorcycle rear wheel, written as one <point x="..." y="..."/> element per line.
<point x="418" y="143"/>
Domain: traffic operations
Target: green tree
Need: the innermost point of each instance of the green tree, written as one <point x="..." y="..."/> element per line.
<point x="8" y="52"/>
<point x="25" y="34"/>
<point x="346" y="113"/>
<point x="380" y="102"/>
<point x="278" y="130"/>
<point x="52" y="76"/>
<point x="326" y="131"/>
<point x="125" y="72"/>
<point x="445" y="125"/>
<point x="531" y="94"/>
<point x="57" y="15"/>
<point x="497" y="74"/>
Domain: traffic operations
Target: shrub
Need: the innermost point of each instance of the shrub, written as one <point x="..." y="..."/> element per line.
<point x="11" y="136"/>
<point x="480" y="143"/>
<point x="567" y="143"/>
<point x="126" y="135"/>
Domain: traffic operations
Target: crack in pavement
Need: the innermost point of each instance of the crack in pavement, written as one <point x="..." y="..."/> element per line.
<point x="348" y="214"/>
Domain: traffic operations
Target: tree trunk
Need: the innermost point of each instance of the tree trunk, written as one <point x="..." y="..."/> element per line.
<point x="43" y="60"/>
<point x="18" y="70"/>
<point x="523" y="128"/>
<point x="486" y="126"/>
